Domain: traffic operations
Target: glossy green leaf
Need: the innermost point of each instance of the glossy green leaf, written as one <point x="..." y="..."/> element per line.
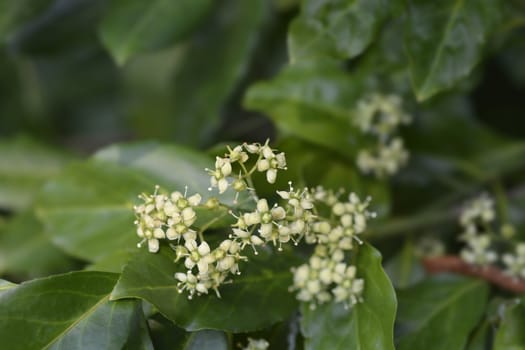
<point x="215" y="61"/>
<point x="113" y="262"/>
<point x="139" y="335"/>
<point x="312" y="102"/>
<point x="164" y="334"/>
<point x="510" y="334"/>
<point x="480" y="337"/>
<point x="439" y="313"/>
<point x="132" y="27"/>
<point x="257" y="298"/>
<point x="70" y="311"/>
<point x="87" y="210"/>
<point x="335" y="28"/>
<point x="368" y="325"/>
<point x="25" y="252"/>
<point x="5" y="285"/>
<point x="445" y="40"/>
<point x="24" y="166"/>
<point x="175" y="165"/>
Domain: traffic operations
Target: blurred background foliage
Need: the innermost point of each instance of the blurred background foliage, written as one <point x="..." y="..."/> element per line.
<point x="74" y="74"/>
<point x="77" y="76"/>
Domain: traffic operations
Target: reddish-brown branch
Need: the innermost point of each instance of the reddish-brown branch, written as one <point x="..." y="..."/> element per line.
<point x="492" y="274"/>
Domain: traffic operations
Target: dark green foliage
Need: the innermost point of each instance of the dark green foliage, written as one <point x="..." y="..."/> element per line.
<point x="81" y="77"/>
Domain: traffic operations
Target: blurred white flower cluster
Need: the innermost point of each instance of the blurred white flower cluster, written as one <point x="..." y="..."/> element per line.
<point x="318" y="216"/>
<point x="381" y="116"/>
<point x="478" y="219"/>
<point x="515" y="262"/>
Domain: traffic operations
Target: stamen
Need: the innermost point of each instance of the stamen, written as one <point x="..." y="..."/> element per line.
<point x="139" y="245"/>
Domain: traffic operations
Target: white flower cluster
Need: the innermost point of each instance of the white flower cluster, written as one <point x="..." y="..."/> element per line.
<point x="327" y="276"/>
<point x="256" y="344"/>
<point x="267" y="161"/>
<point x="476" y="219"/>
<point x="515" y="263"/>
<point x="381" y="116"/>
<point x="301" y="215"/>
<point x="171" y="217"/>
<point x="162" y="216"/>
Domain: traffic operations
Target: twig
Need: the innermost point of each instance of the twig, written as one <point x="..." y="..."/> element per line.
<point x="492" y="274"/>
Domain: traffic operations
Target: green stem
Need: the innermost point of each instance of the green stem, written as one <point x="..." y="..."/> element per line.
<point x="249" y="181"/>
<point x="407" y="258"/>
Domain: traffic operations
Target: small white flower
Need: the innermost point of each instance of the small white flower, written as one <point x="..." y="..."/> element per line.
<point x="195" y="200"/>
<point x="198" y="255"/>
<point x="237" y="154"/>
<point x="223" y="169"/>
<point x="270" y="162"/>
<point x="252" y="148"/>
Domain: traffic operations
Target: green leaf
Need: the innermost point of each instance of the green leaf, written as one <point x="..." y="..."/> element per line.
<point x="439" y="313"/>
<point x="445" y="40"/>
<point x="134" y="26"/>
<point x="164" y="334"/>
<point x="139" y="335"/>
<point x="312" y="102"/>
<point x="175" y="165"/>
<point x="256" y="299"/>
<point x="510" y="335"/>
<point x="113" y="262"/>
<point x="480" y="337"/>
<point x="24" y="166"/>
<point x="367" y="325"/>
<point x="87" y="210"/>
<point x="215" y="61"/>
<point x="404" y="268"/>
<point x="5" y="286"/>
<point x="25" y="252"/>
<point x="65" y="311"/>
<point x="340" y="29"/>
